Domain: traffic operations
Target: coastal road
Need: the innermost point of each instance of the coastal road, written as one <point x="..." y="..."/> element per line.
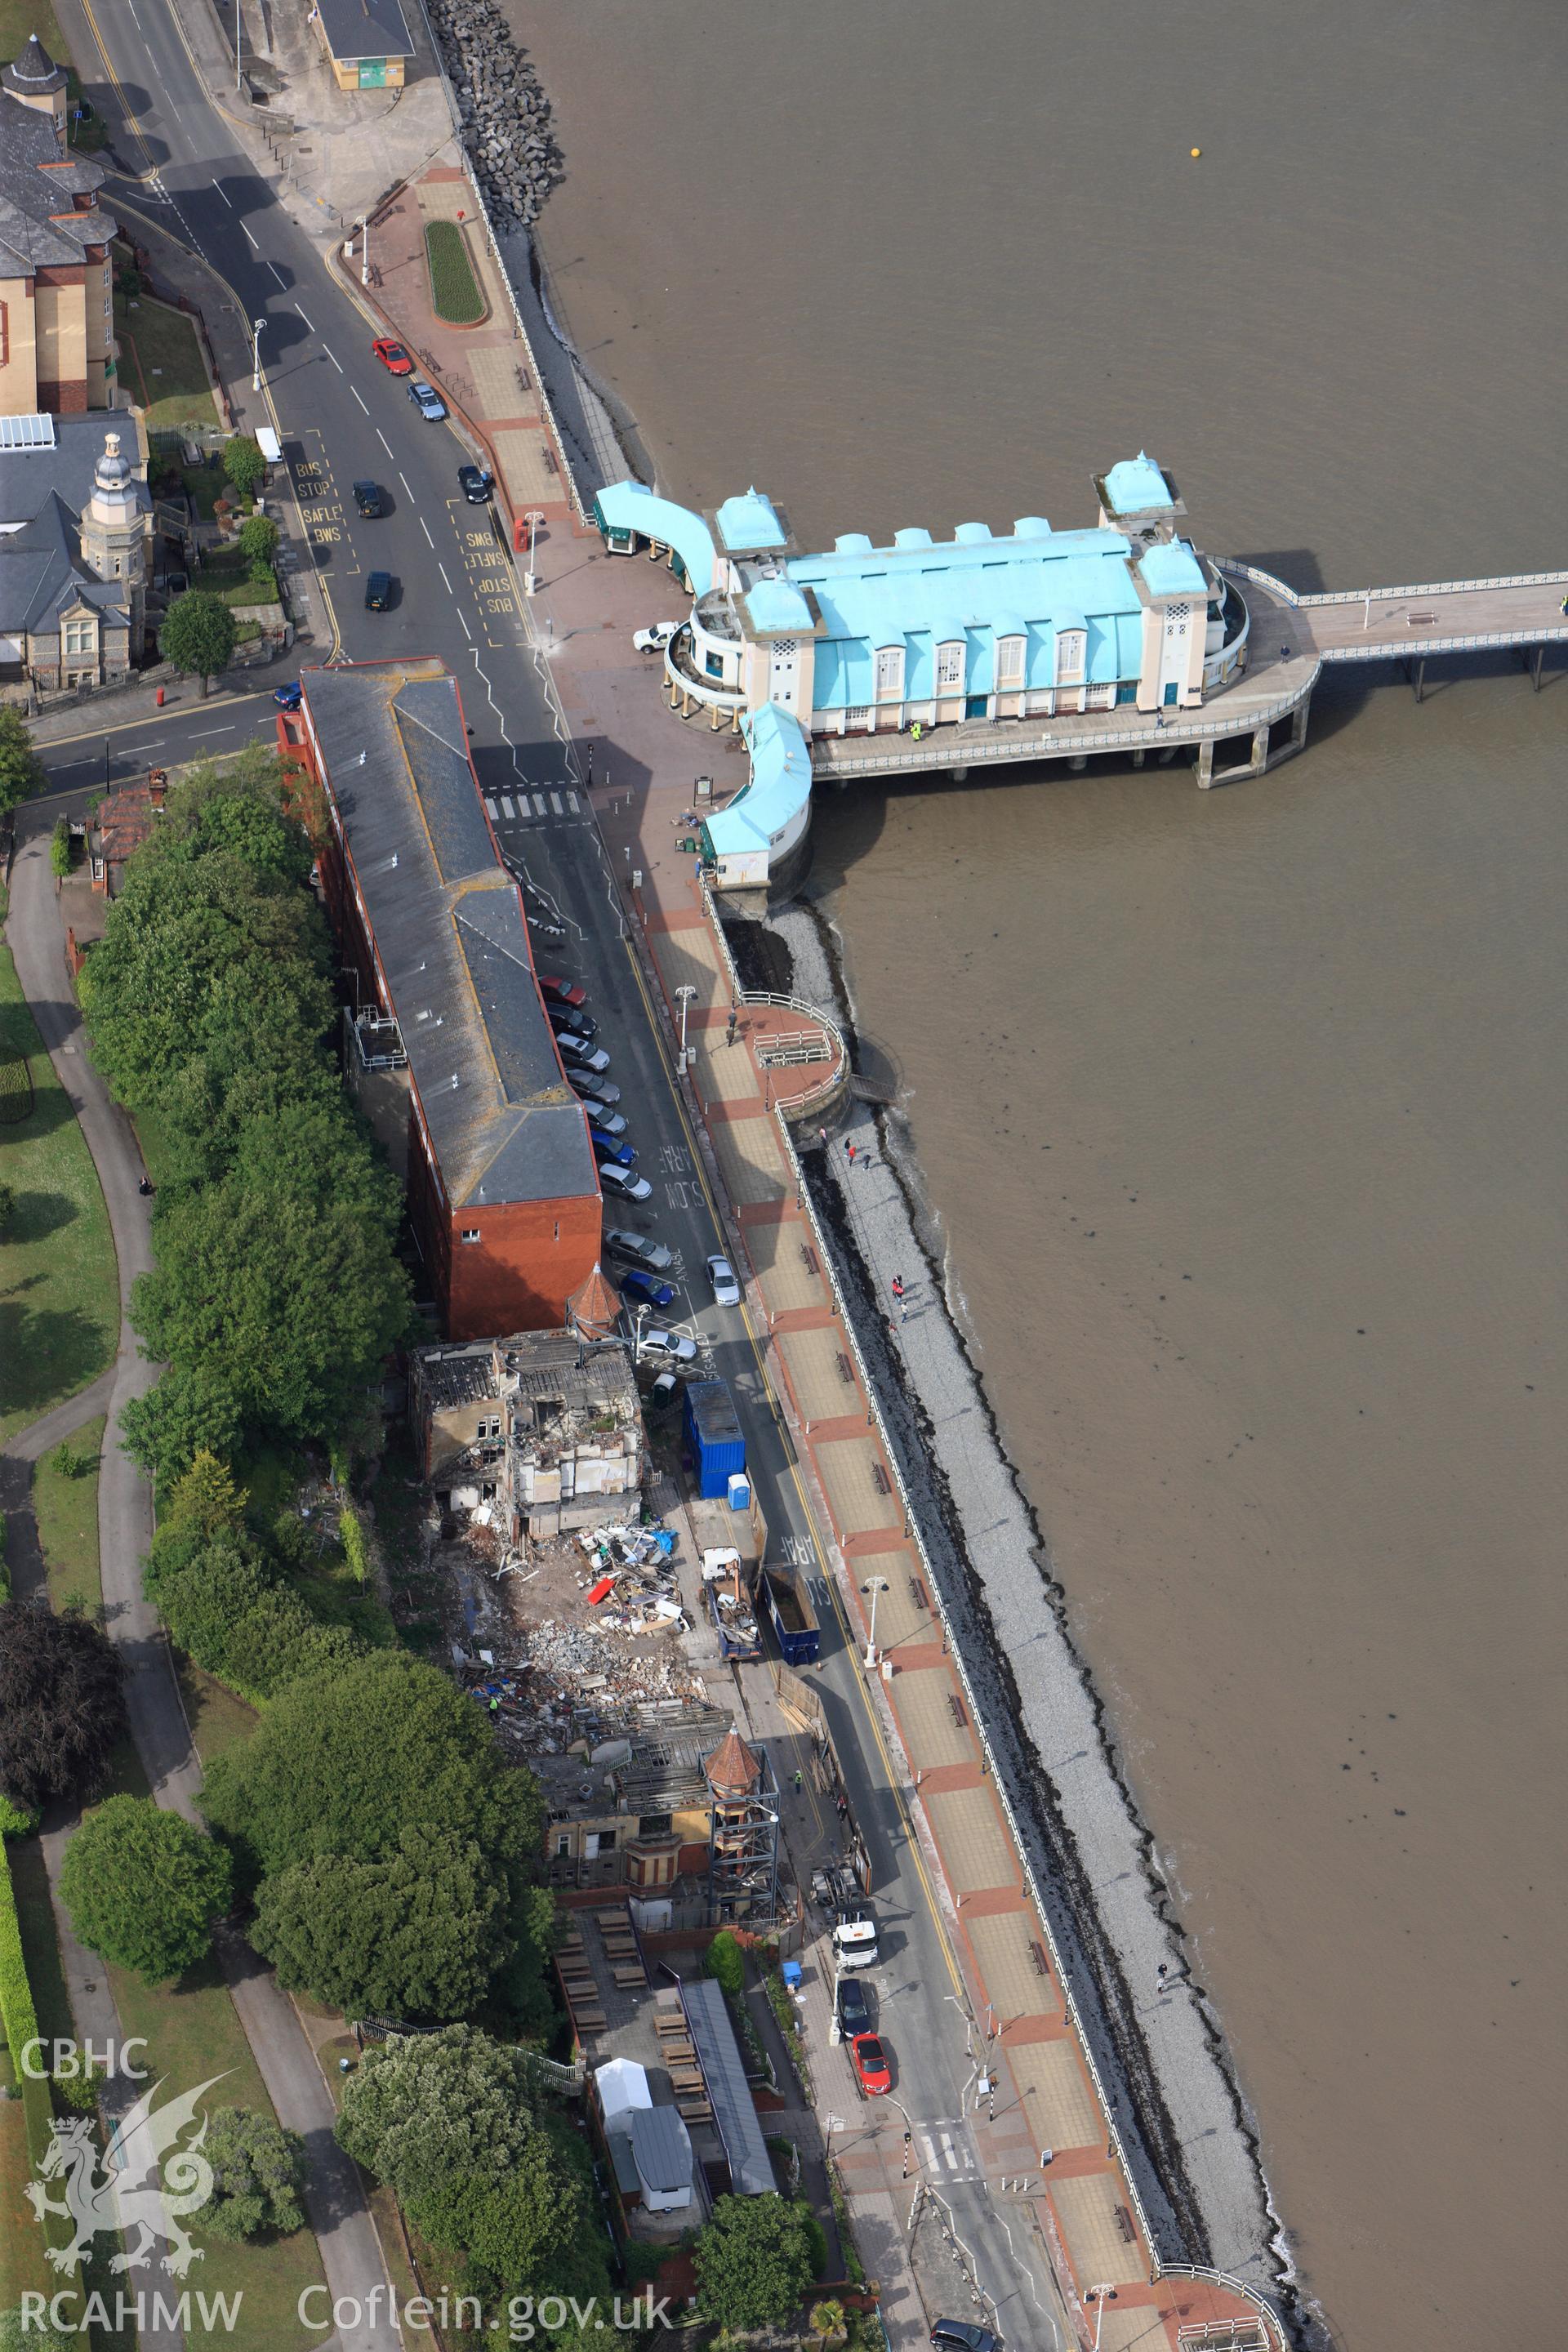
<point x="343" y="418"/>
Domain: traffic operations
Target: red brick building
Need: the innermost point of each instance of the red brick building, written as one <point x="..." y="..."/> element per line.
<point x="449" y="1050"/>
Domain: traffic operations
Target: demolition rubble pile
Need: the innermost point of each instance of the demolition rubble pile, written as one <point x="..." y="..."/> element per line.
<point x="506" y="125"/>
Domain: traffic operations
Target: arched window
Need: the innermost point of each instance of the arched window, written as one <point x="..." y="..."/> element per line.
<point x="1070" y="646"/>
<point x="950" y="667"/>
<point x="890" y="673"/>
<point x="1009" y="664"/>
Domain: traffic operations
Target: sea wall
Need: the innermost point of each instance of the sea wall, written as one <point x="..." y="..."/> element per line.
<point x="1181" y="2117"/>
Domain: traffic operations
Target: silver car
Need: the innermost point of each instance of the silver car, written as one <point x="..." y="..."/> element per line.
<point x="726" y="1289"/>
<point x="674" y="1345"/>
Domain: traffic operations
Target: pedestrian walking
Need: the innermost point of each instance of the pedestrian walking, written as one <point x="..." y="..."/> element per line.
<point x="822" y="1137"/>
<point x="849" y="1150"/>
<point x="799" y="1781"/>
<point x="899" y="1294"/>
<point x="730" y="1030"/>
<point x="1161" y="1984"/>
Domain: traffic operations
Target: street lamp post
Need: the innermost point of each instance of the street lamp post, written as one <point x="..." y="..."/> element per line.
<point x="640" y="1320"/>
<point x="1102" y="2296"/>
<point x="533" y="517"/>
<point x="364" y="251"/>
<point x="683" y="998"/>
<point x="873" y="1585"/>
<point x="256" y="353"/>
<point x="236" y="78"/>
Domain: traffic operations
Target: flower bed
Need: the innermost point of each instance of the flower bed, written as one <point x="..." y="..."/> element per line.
<point x="455" y="293"/>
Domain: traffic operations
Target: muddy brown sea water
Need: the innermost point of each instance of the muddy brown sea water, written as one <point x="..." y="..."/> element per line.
<point x="1243" y="1111"/>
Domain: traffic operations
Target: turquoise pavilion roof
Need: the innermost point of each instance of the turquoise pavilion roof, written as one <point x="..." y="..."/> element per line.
<point x="1135" y="485"/>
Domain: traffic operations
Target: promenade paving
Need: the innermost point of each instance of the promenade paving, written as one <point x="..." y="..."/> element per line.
<point x="640" y="766"/>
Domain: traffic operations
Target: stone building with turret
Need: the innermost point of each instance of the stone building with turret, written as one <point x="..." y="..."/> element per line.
<point x="57" y="313"/>
<point x="75" y="540"/>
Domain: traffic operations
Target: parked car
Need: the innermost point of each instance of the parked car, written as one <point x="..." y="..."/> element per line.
<point x="625" y="1181"/>
<point x="379" y="591"/>
<point x="673" y="1345"/>
<point x="964" y="2336"/>
<point x="368" y="499"/>
<point x="601" y="1114"/>
<point x="579" y="1053"/>
<point x="871" y="2069"/>
<point x="478" y="484"/>
<point x="655" y="639"/>
<point x="561" y="992"/>
<point x="287" y="698"/>
<point x="854" y="2010"/>
<point x="573" y="1020"/>
<point x="648" y="1288"/>
<point x="392" y="355"/>
<point x="175" y="585"/>
<point x="726" y="1289"/>
<point x="426" y="400"/>
<point x="602" y="1090"/>
<point x="663" y="1393"/>
<point x="640" y="1249"/>
<point x="609" y="1151"/>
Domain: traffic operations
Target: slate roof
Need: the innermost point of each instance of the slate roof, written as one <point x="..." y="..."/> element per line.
<point x="364" y="28"/>
<point x="42" y="574"/>
<point x="28" y="476"/>
<point x="450" y="934"/>
<point x="724" y="2072"/>
<point x="40" y="182"/>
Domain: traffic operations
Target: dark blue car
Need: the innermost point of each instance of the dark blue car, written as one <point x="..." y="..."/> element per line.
<point x="287" y="698"/>
<point x="606" y="1147"/>
<point x="636" y="1285"/>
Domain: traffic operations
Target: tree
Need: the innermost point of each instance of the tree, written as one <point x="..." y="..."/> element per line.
<point x="343" y="1763"/>
<point x="280" y="1278"/>
<point x="188" y="1410"/>
<point x="258" y="2172"/>
<point x="62" y="1706"/>
<point x="727" y="1963"/>
<point x="755" y="2260"/>
<point x="21" y="769"/>
<point x="231" y="1609"/>
<point x="258" y="537"/>
<point x="8" y="1204"/>
<point x="207" y="1501"/>
<point x="827" y="2319"/>
<point x="448" y="2120"/>
<point x="243" y="464"/>
<point x="199" y="636"/>
<point x="61" y="852"/>
<point x="144" y="1887"/>
<point x="417" y="1935"/>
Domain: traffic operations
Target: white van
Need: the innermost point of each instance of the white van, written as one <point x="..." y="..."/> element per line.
<point x="855" y="1942"/>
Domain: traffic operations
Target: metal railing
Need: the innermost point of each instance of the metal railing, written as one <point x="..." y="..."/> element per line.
<point x="1439" y="588"/>
<point x="546" y="406"/>
<point x="1159" y="2268"/>
<point x="911" y="1521"/>
<point x="1231" y="2284"/>
<point x="1172" y="735"/>
<point x="1417" y="648"/>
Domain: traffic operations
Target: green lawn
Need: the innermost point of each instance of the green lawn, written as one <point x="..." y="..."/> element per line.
<point x="18" y="18"/>
<point x="226" y="574"/>
<point x="455" y="292"/>
<point x="161" y="364"/>
<point x="60" y="1284"/>
<point x="66" y="1513"/>
<point x="193" y="2034"/>
<point x="216" y="1716"/>
<point x="41" y="1950"/>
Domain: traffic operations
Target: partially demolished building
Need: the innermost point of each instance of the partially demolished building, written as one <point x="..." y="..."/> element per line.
<point x="543" y="1426"/>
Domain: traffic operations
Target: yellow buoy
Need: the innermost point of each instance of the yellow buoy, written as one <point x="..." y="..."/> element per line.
<point x="1197" y="153"/>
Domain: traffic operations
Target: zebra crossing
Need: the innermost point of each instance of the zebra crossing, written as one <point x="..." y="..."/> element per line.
<point x="939" y="2152"/>
<point x="513" y="808"/>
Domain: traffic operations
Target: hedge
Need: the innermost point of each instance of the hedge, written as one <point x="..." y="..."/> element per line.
<point x="454" y="289"/>
<point x="17" y="2016"/>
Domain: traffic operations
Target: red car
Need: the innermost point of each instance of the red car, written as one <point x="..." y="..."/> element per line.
<point x="871" y="2069"/>
<point x="392" y="356"/>
<point x="561" y="992"/>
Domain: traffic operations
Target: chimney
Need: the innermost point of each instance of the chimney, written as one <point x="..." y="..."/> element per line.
<point x="158" y="788"/>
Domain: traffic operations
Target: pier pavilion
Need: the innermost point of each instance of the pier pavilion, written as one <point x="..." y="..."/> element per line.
<point x="1028" y="645"/>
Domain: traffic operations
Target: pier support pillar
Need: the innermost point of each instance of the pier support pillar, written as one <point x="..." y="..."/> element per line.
<point x="1205" y="762"/>
<point x="1535" y="668"/>
<point x="1078" y="763"/>
<point x="1137" y="759"/>
<point x="958" y="774"/>
<point x="1419" y="680"/>
<point x="1259" y="750"/>
<point x="1299" y="722"/>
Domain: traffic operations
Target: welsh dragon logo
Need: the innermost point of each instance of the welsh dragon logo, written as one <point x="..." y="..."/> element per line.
<point x="143" y="2186"/>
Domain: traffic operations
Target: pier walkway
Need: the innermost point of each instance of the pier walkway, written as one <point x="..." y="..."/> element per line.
<point x="1254" y="725"/>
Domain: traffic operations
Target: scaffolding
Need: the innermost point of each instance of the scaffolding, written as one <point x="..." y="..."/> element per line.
<point x="743" y="1839"/>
